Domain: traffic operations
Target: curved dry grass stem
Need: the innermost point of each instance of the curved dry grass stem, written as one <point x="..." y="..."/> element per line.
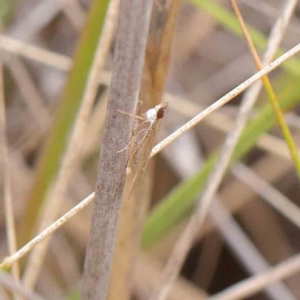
<point x="254" y="284"/>
<point x="196" y="221"/>
<point x="7" y="197"/>
<point x="70" y="161"/>
<point x="49" y="230"/>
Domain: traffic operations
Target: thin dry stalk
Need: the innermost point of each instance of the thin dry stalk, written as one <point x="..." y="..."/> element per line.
<point x="197" y="219"/>
<point x="126" y="77"/>
<point x="271" y="195"/>
<point x="158" y="51"/>
<point x="31" y="96"/>
<point x="52" y="228"/>
<point x="214" y="85"/>
<point x="224" y="123"/>
<point x="70" y="160"/>
<point x="145" y="279"/>
<point x="254" y="284"/>
<point x="38" y="18"/>
<point x="8" y="204"/>
<point x="50" y="58"/>
<point x="95" y="126"/>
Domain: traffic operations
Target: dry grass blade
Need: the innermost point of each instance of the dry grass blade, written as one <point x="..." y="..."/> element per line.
<point x="41" y="15"/>
<point x="127" y="70"/>
<point x="147" y="273"/>
<point x="197" y="219"/>
<point x="32" y="97"/>
<point x="7" y="197"/>
<point x="70" y="160"/>
<point x="74" y="12"/>
<point x="55" y="60"/>
<point x="162" y="27"/>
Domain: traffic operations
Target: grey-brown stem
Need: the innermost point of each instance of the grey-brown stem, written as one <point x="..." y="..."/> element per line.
<point x="127" y="69"/>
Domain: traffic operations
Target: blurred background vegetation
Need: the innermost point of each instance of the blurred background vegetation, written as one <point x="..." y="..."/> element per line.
<point x="47" y="49"/>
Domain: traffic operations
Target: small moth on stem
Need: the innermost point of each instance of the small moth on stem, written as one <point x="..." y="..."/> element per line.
<point x="142" y="141"/>
<point x="135" y="199"/>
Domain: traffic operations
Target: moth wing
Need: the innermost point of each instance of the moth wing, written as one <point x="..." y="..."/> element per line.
<point x="144" y="154"/>
<point x="139" y="135"/>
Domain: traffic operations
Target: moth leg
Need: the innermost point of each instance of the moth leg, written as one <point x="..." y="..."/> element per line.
<point x="127" y="146"/>
<point x="130" y="115"/>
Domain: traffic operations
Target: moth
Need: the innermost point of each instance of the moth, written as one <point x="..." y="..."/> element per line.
<point x="145" y="127"/>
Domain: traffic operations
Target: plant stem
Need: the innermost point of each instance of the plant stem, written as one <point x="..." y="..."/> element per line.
<point x="123" y="95"/>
